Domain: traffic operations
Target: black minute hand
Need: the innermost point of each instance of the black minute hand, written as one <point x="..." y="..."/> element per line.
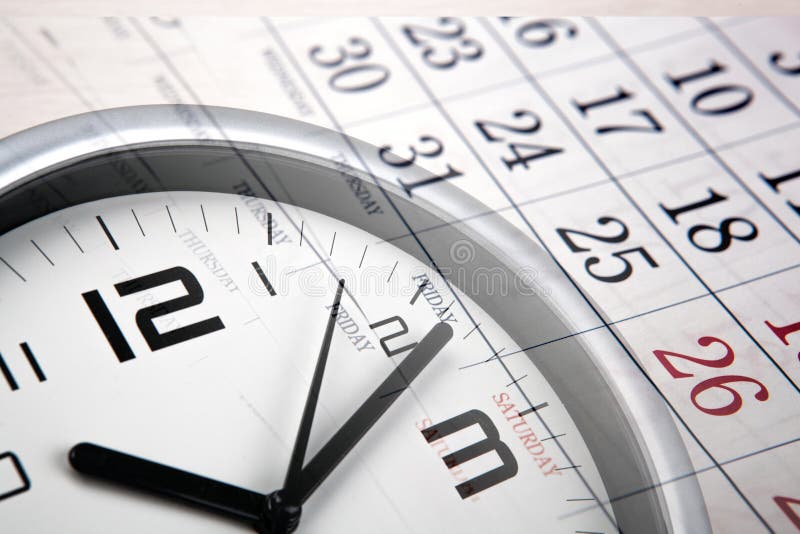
<point x="334" y="451"/>
<point x="282" y="512"/>
<point x="292" y="482"/>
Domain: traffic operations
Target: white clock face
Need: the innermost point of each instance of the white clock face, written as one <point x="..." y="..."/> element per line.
<point x="170" y="328"/>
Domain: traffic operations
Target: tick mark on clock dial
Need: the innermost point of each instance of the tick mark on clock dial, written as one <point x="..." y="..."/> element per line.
<point x="263" y="277"/>
<point x="107" y="232"/>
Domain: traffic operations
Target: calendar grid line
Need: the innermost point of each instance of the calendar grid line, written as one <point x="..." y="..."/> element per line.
<point x="627" y="174"/>
<point x="757" y="136"/>
<point x="693" y="473"/>
<point x="605" y="181"/>
<point x="599" y="59"/>
<point x="733" y="316"/>
<point x="611" y="330"/>
<point x="501" y="209"/>
<point x="61" y="78"/>
<point x="623" y="175"/>
<point x="644" y="313"/>
<point x="718" y="148"/>
<point x="639" y="209"/>
<point x="546" y="73"/>
<point x="452" y="98"/>
<point x="271" y="29"/>
<point x="731" y="21"/>
<point x="592" y="152"/>
<point x="633" y="67"/>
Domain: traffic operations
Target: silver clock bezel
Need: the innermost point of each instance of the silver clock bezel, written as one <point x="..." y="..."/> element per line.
<point x="630" y="433"/>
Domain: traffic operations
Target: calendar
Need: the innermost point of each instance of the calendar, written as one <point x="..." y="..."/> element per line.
<point x="656" y="160"/>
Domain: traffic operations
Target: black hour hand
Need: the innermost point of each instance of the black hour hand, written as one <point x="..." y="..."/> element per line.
<point x="151" y="477"/>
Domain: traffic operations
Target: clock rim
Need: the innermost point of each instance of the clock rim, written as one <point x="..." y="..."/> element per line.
<point x="40" y="151"/>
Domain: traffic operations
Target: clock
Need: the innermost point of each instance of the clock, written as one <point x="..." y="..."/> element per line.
<point x="215" y="320"/>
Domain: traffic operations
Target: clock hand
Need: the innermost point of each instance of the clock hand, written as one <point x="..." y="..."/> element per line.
<point x="334" y="451"/>
<point x="284" y="508"/>
<point x="291" y="484"/>
<point x="239" y="503"/>
<point x="151" y="477"/>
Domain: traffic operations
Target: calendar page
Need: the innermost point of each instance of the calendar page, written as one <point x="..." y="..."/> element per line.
<point x="657" y="160"/>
